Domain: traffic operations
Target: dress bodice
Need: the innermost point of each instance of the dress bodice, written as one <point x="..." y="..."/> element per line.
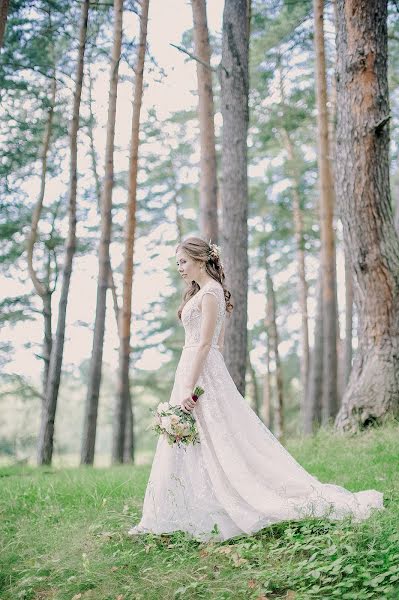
<point x="191" y="313"/>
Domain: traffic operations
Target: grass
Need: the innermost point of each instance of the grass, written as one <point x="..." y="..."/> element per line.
<point x="63" y="536"/>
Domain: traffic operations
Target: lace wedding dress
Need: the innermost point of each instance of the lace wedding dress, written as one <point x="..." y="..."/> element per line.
<point x="239" y="478"/>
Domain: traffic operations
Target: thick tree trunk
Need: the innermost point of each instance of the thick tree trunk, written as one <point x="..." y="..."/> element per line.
<point x="122" y="398"/>
<point x="46" y="436"/>
<point x="330" y="315"/>
<point x="3" y="19"/>
<point x="234" y="103"/>
<point x="278" y="412"/>
<point x="90" y="418"/>
<point x="348" y="348"/>
<point x="315" y="387"/>
<point x="366" y="212"/>
<point x="208" y="178"/>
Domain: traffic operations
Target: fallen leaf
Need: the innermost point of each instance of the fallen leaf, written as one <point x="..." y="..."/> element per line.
<point x="204" y="553"/>
<point x="225" y="550"/>
<point x="291" y="595"/>
<point x="237" y="560"/>
<point x="77" y="596"/>
<point x="251" y="583"/>
<point x="114" y="568"/>
<point x="120" y="597"/>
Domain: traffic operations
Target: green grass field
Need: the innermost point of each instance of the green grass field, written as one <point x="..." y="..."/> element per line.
<point x="63" y="536"/>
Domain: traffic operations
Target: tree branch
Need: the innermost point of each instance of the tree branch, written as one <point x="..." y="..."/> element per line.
<point x="204" y="64"/>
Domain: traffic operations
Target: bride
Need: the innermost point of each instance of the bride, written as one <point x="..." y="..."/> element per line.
<point x="239" y="478"/>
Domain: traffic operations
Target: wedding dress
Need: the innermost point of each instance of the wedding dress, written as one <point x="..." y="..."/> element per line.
<point x="239" y="478"/>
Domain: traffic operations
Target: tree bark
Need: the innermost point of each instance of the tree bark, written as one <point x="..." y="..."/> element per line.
<point x="122" y="398"/>
<point x="278" y="412"/>
<point x="208" y="178"/>
<point x="43" y="289"/>
<point x="267" y="390"/>
<point x="300" y="249"/>
<point x="300" y="257"/>
<point x="315" y="387"/>
<point x="130" y="446"/>
<point x="234" y="103"/>
<point x="3" y="19"/>
<point x="91" y="410"/>
<point x="97" y="184"/>
<point x="46" y="436"/>
<point x="90" y="132"/>
<point x="366" y="211"/>
<point x="348" y="349"/>
<point x="267" y="397"/>
<point x="129" y="443"/>
<point x="330" y="315"/>
<point x="255" y="387"/>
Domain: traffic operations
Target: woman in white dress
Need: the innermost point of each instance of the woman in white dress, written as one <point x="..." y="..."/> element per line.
<point x="239" y="478"/>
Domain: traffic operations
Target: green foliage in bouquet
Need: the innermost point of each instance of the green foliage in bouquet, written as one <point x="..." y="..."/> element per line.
<point x="178" y="427"/>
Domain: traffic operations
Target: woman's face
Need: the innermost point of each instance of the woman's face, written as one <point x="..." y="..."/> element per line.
<point x="188" y="268"/>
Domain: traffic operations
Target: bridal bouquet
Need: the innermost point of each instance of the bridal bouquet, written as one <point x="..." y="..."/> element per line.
<point x="178" y="427"/>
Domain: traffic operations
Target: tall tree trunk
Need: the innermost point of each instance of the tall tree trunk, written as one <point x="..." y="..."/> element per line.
<point x="315" y="386"/>
<point x="300" y="257"/>
<point x="267" y="391"/>
<point x="234" y="102"/>
<point x="397" y="204"/>
<point x="300" y="248"/>
<point x="129" y="443"/>
<point x="366" y="211"/>
<point x="43" y="289"/>
<point x="348" y="349"/>
<point x="48" y="334"/>
<point x="122" y="397"/>
<point x="97" y="184"/>
<point x="255" y="387"/>
<point x="278" y="412"/>
<point x="208" y="178"/>
<point x="267" y="396"/>
<point x="90" y="132"/>
<point x="91" y="409"/>
<point x="130" y="446"/>
<point x="46" y="436"/>
<point x="3" y="19"/>
<point x="330" y="315"/>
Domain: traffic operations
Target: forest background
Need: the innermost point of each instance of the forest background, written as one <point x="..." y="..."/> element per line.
<point x="42" y="36"/>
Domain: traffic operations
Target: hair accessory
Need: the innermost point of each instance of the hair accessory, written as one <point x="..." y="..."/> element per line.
<point x="214" y="250"/>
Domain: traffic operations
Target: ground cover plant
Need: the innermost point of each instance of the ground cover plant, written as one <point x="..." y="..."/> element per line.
<point x="63" y="536"/>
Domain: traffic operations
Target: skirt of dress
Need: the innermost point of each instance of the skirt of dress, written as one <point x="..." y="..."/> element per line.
<point x="239" y="478"/>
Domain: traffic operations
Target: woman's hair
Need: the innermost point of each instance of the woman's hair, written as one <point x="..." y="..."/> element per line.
<point x="199" y="250"/>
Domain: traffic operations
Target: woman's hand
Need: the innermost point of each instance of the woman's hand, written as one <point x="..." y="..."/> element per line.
<point x="188" y="403"/>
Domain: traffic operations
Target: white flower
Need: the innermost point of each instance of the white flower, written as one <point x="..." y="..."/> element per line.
<point x="163" y="407"/>
<point x="166" y="424"/>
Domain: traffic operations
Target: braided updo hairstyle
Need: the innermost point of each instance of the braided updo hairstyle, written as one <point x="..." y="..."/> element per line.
<point x="209" y="254"/>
